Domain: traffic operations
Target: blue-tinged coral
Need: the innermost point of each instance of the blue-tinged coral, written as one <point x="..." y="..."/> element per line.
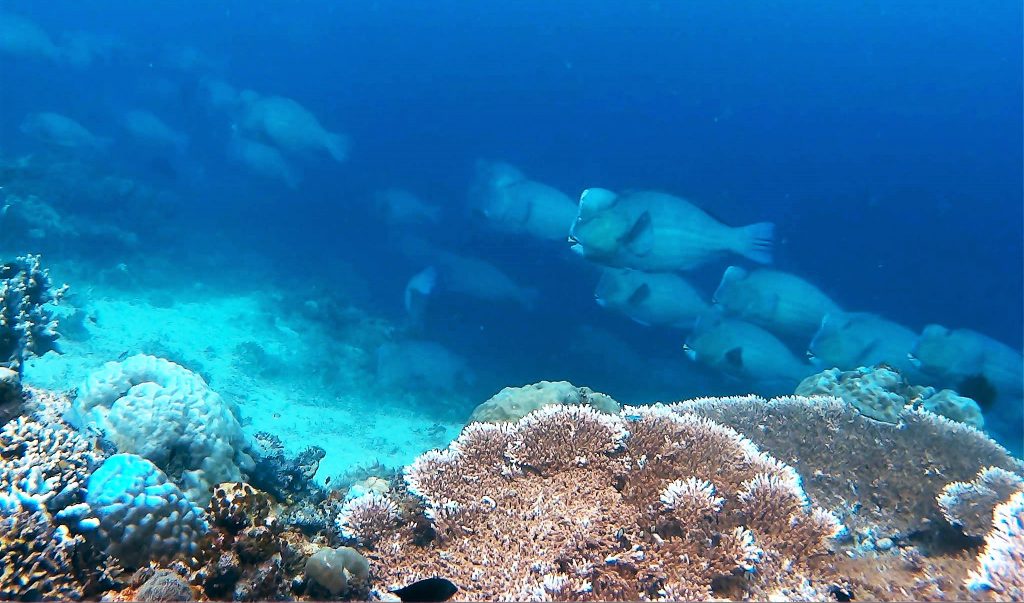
<point x="27" y="324"/>
<point x="167" y="414"/>
<point x="1000" y="572"/>
<point x="136" y="514"/>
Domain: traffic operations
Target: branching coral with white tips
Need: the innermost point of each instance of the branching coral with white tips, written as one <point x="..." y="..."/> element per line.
<point x="572" y="504"/>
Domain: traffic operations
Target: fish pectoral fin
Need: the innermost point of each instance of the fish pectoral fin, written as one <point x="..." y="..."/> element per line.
<point x="642" y="292"/>
<point x="735" y="357"/>
<point x="640" y="238"/>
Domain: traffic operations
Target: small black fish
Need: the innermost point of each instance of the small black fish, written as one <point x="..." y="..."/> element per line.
<point x="427" y="591"/>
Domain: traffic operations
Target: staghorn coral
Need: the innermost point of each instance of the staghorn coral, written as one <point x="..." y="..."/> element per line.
<point x="1000" y="571"/>
<point x="27" y="325"/>
<point x="570" y="503"/>
<point x="167" y="414"/>
<point x="514" y="403"/>
<point x="57" y="454"/>
<point x="969" y="505"/>
<point x="37" y="557"/>
<point x="880" y="479"/>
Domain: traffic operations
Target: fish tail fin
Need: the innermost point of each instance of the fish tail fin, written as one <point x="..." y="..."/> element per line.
<point x="755" y="242"/>
<point x="337" y="146"/>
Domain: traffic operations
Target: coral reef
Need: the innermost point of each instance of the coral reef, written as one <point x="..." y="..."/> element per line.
<point x="882" y="393"/>
<point x="881" y="479"/>
<point x="11" y="400"/>
<point x="571" y="503"/>
<point x="514" y="403"/>
<point x="165" y="585"/>
<point x="969" y="505"/>
<point x="53" y="453"/>
<point x="136" y="514"/>
<point x="1000" y="572"/>
<point x="167" y="414"/>
<point x="287" y="478"/>
<point x="334" y="569"/>
<point x="27" y="324"/>
<point x="36" y="555"/>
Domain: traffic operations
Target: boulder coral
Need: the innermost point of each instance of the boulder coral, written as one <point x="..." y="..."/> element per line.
<point x="569" y="503"/>
<point x="162" y="411"/>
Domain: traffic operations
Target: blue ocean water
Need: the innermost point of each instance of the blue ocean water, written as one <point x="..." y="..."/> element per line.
<point x="883" y="140"/>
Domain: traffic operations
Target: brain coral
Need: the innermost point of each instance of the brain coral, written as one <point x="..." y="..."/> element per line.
<point x="882" y="479"/>
<point x="137" y="514"/>
<point x="167" y="414"/>
<point x="569" y="503"/>
<point x="514" y="403"/>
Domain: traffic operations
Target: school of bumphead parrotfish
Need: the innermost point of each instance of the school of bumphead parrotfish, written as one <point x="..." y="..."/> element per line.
<point x="761" y="326"/>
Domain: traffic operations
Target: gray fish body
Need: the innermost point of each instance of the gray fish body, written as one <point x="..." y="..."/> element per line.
<point x="655" y="299"/>
<point x="783" y="303"/>
<point x="515" y="204"/>
<point x="654" y="232"/>
<point x="953" y="355"/>
<point x="849" y="340"/>
<point x="746" y="352"/>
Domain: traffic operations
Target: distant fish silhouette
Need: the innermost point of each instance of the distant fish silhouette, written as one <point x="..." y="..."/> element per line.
<point x="426" y="591"/>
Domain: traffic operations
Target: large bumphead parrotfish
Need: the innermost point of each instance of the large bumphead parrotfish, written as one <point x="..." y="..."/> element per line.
<point x="745" y="352"/>
<point x="970" y="362"/>
<point x="848" y="340"/>
<point x="783" y="303"/>
<point x="660" y="299"/>
<point x="62" y="131"/>
<point x="288" y="125"/>
<point x="512" y="203"/>
<point x="658" y="232"/>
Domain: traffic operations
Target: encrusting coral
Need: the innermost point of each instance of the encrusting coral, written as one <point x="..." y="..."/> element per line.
<point x="882" y="392"/>
<point x="514" y="403"/>
<point x="572" y="504"/>
<point x="881" y="479"/>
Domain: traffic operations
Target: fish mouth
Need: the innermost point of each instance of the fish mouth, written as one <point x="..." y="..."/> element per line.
<point x="690" y="352"/>
<point x="573" y="240"/>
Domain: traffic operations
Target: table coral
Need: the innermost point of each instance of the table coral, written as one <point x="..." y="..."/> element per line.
<point x="969" y="505"/>
<point x="1000" y="572"/>
<point x="571" y="503"/>
<point x="880" y="478"/>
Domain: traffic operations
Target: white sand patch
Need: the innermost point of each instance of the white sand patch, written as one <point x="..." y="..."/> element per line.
<point x="287" y="399"/>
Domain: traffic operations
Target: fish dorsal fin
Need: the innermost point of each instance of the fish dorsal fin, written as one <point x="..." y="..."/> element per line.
<point x="642" y="293"/>
<point x="640" y="238"/>
<point x="735" y="357"/>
